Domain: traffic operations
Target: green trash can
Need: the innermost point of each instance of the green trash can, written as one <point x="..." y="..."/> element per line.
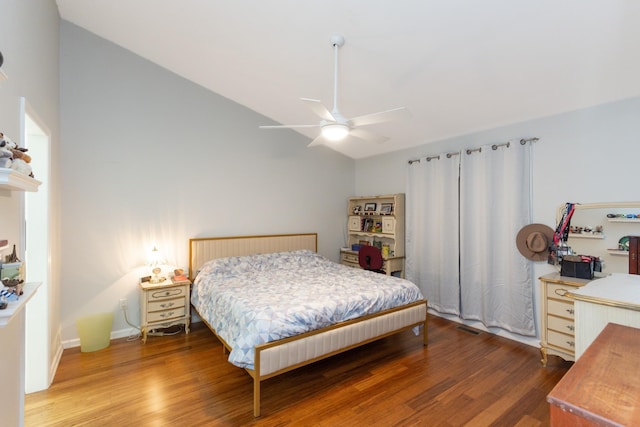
<point x="94" y="331"/>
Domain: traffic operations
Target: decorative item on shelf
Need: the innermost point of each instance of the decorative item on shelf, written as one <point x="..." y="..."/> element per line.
<point x="385" y="250"/>
<point x="357" y="209"/>
<point x="386" y="208"/>
<point x="370" y="208"/>
<point x="12" y="272"/>
<point x="14" y="157"/>
<point x="623" y="244"/>
<point x="368" y="225"/>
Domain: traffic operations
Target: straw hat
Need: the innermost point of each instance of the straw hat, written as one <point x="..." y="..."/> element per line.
<point x="533" y="241"/>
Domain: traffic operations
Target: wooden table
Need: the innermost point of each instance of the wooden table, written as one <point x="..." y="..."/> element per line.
<point x="603" y="387"/>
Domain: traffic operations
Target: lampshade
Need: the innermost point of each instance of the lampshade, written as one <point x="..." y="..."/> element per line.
<point x="335" y="131"/>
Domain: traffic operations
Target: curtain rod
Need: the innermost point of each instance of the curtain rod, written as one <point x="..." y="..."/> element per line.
<point x="507" y="144"/>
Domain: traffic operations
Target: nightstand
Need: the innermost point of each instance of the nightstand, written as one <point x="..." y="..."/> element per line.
<point x="164" y="304"/>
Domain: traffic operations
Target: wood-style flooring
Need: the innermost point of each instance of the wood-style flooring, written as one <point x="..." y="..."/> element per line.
<point x="461" y="378"/>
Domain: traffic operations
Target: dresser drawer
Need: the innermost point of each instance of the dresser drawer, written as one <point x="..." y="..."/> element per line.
<point x="165" y="293"/>
<point x="557" y="291"/>
<point x="166" y="304"/>
<point x="350" y="258"/>
<point x="561" y="325"/>
<point x="566" y="342"/>
<point x="560" y="308"/>
<point x="166" y="315"/>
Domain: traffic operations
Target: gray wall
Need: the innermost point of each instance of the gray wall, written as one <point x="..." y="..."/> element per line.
<point x="29" y="44"/>
<point x="151" y="158"/>
<point x="586" y="156"/>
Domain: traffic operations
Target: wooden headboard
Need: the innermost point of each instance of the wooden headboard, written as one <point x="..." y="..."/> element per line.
<point x="203" y="249"/>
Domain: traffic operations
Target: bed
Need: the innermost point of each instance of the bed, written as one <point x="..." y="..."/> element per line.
<point x="220" y="267"/>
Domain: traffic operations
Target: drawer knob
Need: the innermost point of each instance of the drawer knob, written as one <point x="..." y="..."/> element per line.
<point x="571" y="343"/>
<point x="167" y="314"/>
<point x="570" y="310"/>
<point x="166" y="305"/>
<point x="571" y="327"/>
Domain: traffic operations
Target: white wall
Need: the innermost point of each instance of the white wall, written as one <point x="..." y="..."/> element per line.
<point x="29" y="44"/>
<point x="151" y="158"/>
<point x="585" y="156"/>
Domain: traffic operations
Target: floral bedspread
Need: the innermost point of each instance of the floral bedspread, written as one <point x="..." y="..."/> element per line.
<point x="254" y="299"/>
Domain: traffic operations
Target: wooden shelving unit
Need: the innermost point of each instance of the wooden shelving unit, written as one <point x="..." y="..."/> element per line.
<point x="378" y="221"/>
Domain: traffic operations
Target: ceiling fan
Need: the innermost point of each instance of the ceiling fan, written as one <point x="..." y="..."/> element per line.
<point x="334" y="126"/>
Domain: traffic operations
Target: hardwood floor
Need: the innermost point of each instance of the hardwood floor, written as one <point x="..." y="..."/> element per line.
<point x="184" y="380"/>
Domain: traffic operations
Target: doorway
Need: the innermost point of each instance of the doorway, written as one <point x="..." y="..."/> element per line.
<point x="36" y="245"/>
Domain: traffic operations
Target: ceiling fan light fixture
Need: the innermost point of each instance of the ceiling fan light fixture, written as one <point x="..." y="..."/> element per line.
<point x="335" y="131"/>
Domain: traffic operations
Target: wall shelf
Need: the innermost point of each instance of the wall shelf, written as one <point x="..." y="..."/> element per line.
<point x="585" y="236"/>
<point x="16" y="181"/>
<point x="618" y="252"/>
<point x="624" y="220"/>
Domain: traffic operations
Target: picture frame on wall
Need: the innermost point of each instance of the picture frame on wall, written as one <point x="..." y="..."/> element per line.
<point x="386" y="208"/>
<point x="370" y="207"/>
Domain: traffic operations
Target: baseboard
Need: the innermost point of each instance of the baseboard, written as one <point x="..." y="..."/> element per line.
<point x="122" y="333"/>
<point x="55" y="362"/>
<point x="531" y="341"/>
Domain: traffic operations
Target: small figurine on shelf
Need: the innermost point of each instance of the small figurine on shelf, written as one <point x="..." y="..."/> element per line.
<point x="13" y="257"/>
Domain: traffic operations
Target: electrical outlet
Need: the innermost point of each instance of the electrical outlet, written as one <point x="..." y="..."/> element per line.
<point x="123" y="303"/>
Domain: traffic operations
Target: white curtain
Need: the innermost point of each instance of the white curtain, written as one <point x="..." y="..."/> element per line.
<point x="495" y="280"/>
<point x="432" y="251"/>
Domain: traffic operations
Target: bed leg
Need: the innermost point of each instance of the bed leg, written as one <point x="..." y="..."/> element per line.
<point x="425" y="334"/>
<point x="256" y="397"/>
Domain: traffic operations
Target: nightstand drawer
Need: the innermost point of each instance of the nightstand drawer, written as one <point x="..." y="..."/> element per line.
<point x="561" y="325"/>
<point x="160" y="294"/>
<point x="166" y="304"/>
<point x="165" y="315"/>
<point x="560" y="308"/>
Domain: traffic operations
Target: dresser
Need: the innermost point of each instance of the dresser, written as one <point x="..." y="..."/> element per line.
<point x="164" y="304"/>
<point x="557" y="334"/>
<point x="602" y="387"/>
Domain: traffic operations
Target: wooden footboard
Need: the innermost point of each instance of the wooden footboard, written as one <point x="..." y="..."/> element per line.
<point x="278" y="357"/>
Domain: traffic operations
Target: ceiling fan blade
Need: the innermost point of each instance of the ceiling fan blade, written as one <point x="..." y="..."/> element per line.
<point x="319" y="140"/>
<point x="316" y="106"/>
<point x="287" y="126"/>
<point x="382" y="116"/>
<point x="368" y="136"/>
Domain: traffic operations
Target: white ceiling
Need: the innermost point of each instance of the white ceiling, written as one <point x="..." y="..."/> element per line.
<point x="459" y="66"/>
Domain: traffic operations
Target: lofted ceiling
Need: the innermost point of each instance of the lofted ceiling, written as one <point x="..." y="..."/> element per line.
<point x="459" y="66"/>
